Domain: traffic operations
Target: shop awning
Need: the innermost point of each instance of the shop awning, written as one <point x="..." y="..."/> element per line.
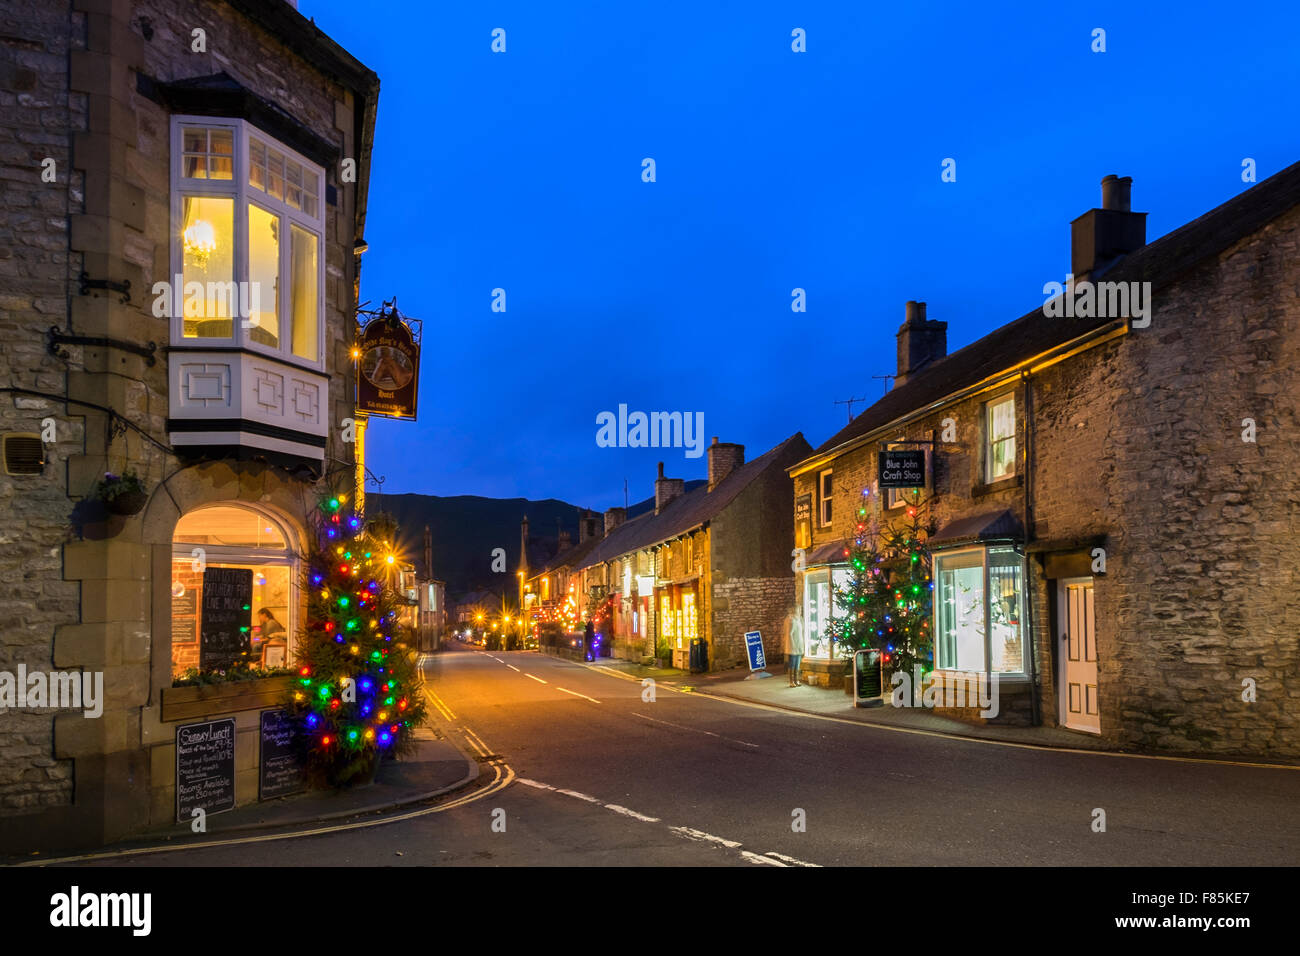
<point x="830" y="553"/>
<point x="991" y="526"/>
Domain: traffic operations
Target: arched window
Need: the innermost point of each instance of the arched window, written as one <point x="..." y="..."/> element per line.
<point x="235" y="591"/>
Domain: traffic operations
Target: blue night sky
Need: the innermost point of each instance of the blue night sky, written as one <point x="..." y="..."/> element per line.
<point x="776" y="170"/>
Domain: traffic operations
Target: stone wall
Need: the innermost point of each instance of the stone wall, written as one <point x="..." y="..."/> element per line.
<point x="99" y="600"/>
<point x="36" y="272"/>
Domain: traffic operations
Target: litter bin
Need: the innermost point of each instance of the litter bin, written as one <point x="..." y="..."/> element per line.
<point x="699" y="658"/>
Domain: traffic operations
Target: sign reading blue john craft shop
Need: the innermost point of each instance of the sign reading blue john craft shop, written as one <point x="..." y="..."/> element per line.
<point x="902" y="469"/>
<point x="754" y="645"/>
<point x="388" y="365"/>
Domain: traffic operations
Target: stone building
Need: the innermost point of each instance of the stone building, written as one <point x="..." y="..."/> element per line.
<point x="1112" y="485"/>
<point x="709" y="564"/>
<point x="184" y="196"/>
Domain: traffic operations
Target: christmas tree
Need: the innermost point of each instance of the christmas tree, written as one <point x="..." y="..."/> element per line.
<point x="357" y="695"/>
<point x="888" y="601"/>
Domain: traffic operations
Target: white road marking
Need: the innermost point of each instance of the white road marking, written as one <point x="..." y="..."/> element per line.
<point x="538" y="679"/>
<point x="513" y="668"/>
<point x="497" y="659"/>
<point x="791" y="860"/>
<point x="694" y="730"/>
<point x="580" y="796"/>
<point x="576" y="694"/>
<point x="631" y="813"/>
<point x="699" y="836"/>
<point x="702" y="837"/>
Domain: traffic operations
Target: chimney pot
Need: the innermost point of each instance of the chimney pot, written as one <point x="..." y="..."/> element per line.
<point x="661" y="469"/>
<point x="1100" y="236"/>
<point x="1117" y="193"/>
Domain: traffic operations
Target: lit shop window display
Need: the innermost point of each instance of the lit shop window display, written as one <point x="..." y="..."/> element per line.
<point x="820" y="613"/>
<point x="234" y="590"/>
<point x="979" y="609"/>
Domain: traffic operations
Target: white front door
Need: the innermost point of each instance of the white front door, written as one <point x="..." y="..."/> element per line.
<point x="1078" y="687"/>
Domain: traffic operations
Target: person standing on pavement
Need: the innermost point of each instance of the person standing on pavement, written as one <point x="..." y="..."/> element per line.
<point x="794" y="647"/>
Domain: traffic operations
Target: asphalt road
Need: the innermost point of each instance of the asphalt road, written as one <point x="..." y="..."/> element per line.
<point x="588" y="772"/>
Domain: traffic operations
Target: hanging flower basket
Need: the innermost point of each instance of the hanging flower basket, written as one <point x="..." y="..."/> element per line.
<point x="121" y="494"/>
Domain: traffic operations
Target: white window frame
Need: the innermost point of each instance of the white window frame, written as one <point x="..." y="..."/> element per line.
<point x="1009" y="398"/>
<point x="985" y="598"/>
<point x="243" y="193"/>
<point x="824" y="501"/>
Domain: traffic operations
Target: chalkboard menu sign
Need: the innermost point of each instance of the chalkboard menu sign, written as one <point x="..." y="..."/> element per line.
<point x="205" y="768"/>
<point x="226" y="618"/>
<point x="281" y="770"/>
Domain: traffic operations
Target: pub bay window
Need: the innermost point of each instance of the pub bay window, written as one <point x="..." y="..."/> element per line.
<point x="234" y="592"/>
<point x="249" y="228"/>
<point x="979" y="610"/>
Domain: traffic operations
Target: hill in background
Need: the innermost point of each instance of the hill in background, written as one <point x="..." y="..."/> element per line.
<point x="466" y="529"/>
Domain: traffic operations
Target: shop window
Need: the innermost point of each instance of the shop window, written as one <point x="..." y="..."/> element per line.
<point x="690" y="623"/>
<point x="247" y="556"/>
<point x="820" y="610"/>
<point x="979" y="607"/>
<point x="1000" y="439"/>
<point x="824" y="497"/>
<point x="250" y="226"/>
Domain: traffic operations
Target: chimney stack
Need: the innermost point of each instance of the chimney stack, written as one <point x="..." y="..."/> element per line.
<point x="586" y="525"/>
<point x="613" y="518"/>
<point x="1100" y="236"/>
<point x="724" y="458"/>
<point x="523" y="545"/>
<point x="921" y="341"/>
<point x="666" y="489"/>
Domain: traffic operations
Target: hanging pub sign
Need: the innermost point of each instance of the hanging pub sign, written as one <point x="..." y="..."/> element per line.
<point x="388" y="366"/>
<point x="902" y="469"/>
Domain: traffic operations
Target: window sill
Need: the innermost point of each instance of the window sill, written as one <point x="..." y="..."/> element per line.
<point x="212" y="700"/>
<point x="1002" y="484"/>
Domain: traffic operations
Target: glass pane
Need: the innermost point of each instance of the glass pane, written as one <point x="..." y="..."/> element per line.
<point x="1002" y="459"/>
<point x="270" y="643"/>
<point x="263" y="277"/>
<point x="305" y="275"/>
<point x="257" y="177"/>
<point x="309" y="183"/>
<point x="959" y="599"/>
<point x="219" y="167"/>
<point x="221" y="141"/>
<point x="293" y="172"/>
<point x="275" y="185"/>
<point x="309" y="205"/>
<point x="257" y="151"/>
<point x="229" y="526"/>
<point x="194" y="167"/>
<point x="294" y="197"/>
<point x="1006" y="604"/>
<point x="194" y="140"/>
<point x="207" y="240"/>
<point x="817" y="611"/>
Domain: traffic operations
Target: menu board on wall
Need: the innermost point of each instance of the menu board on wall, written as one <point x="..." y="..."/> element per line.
<point x="185" y="617"/>
<point x="205" y="768"/>
<point x="226" y="620"/>
<point x="281" y="770"/>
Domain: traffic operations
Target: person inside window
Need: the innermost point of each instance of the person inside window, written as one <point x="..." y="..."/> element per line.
<point x="273" y="638"/>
